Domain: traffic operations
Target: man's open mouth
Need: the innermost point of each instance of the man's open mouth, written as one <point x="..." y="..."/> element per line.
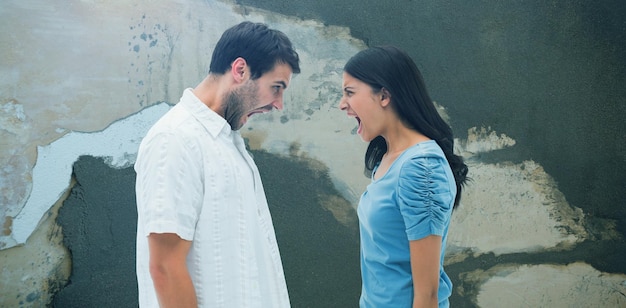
<point x="260" y="110"/>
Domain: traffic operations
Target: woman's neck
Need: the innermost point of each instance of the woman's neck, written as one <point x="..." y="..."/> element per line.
<point x="399" y="138"/>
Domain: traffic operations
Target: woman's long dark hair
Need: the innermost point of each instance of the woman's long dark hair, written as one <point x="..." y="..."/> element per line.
<point x="392" y="69"/>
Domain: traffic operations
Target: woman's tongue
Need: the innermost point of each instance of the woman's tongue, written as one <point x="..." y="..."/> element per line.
<point x="360" y="126"/>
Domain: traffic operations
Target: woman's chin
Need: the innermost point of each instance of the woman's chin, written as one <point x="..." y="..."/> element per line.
<point x="365" y="137"/>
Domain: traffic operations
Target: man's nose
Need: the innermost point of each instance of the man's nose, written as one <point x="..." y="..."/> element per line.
<point x="278" y="104"/>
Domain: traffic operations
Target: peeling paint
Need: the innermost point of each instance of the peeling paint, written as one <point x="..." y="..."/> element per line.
<point x="552" y="285"/>
<point x="52" y="172"/>
<point x="482" y="140"/>
<point x="32" y="274"/>
<point x="515" y="208"/>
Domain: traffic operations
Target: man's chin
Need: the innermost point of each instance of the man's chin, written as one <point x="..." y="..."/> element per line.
<point x="244" y="120"/>
<point x="239" y="125"/>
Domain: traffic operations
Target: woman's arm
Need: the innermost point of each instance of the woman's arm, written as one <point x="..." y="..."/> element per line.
<point x="425" y="256"/>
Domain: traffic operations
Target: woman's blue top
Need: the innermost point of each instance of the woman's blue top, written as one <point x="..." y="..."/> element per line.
<point x="414" y="199"/>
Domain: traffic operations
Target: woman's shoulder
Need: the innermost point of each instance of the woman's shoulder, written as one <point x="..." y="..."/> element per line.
<point x="426" y="149"/>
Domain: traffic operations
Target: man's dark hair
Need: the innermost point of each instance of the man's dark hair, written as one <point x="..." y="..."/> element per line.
<point x="260" y="46"/>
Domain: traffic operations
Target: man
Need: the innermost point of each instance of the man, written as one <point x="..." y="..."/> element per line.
<point x="205" y="237"/>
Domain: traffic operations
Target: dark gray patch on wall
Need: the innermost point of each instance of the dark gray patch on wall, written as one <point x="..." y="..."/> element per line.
<point x="98" y="220"/>
<point x="320" y="255"/>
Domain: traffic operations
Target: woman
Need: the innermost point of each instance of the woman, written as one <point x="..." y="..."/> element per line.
<point x="416" y="181"/>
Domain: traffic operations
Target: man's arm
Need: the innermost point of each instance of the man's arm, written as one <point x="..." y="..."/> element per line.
<point x="168" y="268"/>
<point x="425" y="255"/>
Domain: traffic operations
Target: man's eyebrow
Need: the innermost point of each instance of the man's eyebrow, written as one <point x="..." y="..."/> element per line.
<point x="282" y="83"/>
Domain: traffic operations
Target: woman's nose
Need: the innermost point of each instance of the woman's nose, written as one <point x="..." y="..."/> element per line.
<point x="343" y="105"/>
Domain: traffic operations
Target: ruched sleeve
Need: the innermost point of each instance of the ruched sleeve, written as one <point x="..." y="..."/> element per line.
<point x="424" y="196"/>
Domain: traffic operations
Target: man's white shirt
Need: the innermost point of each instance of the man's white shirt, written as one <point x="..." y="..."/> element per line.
<point x="196" y="179"/>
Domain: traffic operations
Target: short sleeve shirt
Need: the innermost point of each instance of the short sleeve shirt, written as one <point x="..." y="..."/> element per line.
<point x="196" y="179"/>
<point x="414" y="199"/>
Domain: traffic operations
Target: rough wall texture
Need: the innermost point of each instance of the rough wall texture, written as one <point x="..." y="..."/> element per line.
<point x="98" y="220"/>
<point x="534" y="92"/>
<point x="319" y="246"/>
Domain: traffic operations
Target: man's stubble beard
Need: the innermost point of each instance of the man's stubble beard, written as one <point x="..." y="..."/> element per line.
<point x="238" y="102"/>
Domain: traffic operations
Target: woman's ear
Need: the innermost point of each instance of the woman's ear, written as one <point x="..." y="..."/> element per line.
<point x="385" y="97"/>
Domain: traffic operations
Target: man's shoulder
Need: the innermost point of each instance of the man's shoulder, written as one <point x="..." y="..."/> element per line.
<point x="176" y="120"/>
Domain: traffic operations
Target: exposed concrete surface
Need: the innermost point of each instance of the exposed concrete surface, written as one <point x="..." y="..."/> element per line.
<point x="552" y="286"/>
<point x="500" y="196"/>
<point x="52" y="172"/>
<point x="99" y="226"/>
<point x="33" y="273"/>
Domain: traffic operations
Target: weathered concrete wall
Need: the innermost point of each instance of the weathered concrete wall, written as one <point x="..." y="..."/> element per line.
<point x="534" y="92"/>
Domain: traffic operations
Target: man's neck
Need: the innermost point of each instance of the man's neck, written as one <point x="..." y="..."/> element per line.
<point x="211" y="92"/>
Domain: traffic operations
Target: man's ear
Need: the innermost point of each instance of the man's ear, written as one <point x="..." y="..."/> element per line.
<point x="385" y="97"/>
<point x="239" y="69"/>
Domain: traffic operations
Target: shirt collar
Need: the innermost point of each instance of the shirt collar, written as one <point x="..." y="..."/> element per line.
<point x="212" y="122"/>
